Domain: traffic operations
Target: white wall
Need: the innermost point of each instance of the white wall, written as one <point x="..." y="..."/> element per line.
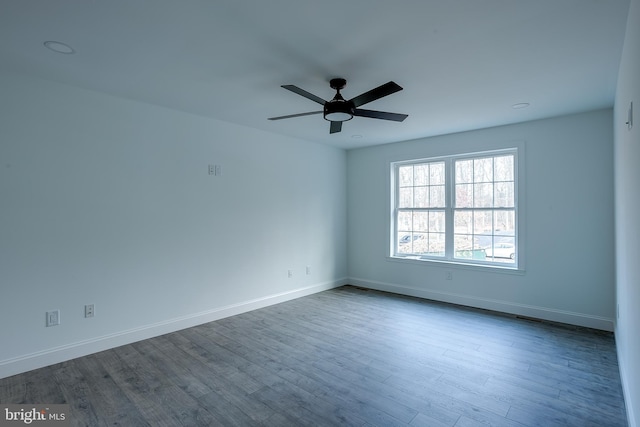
<point x="627" y="205"/>
<point x="106" y="201"/>
<point x="568" y="228"/>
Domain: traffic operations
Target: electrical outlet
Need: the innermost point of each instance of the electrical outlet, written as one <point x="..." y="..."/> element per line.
<point x="308" y="270"/>
<point x="289" y="274"/>
<point x="448" y="275"/>
<point x="89" y="310"/>
<point x="53" y="318"/>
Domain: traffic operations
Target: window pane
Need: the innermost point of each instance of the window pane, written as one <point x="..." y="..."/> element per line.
<point x="405" y="177"/>
<point x="463" y="222"/>
<point x="421" y="174"/>
<point x="421" y="221"/>
<point x="464" y="171"/>
<point x="483" y="222"/>
<point x="405" y="199"/>
<point x="436" y="244"/>
<point x="436" y="173"/>
<point x="464" y="196"/>
<point x="437" y="221"/>
<point x="483" y="170"/>
<point x="466" y="247"/>
<point x="436" y="196"/>
<point x="421" y="197"/>
<point x="503" y="168"/>
<point x="505" y="223"/>
<point x="502" y="250"/>
<point x="462" y="242"/>
<point x="413" y="243"/>
<point x="404" y="243"/>
<point x="482" y="195"/>
<point x="405" y="221"/>
<point x="420" y="243"/>
<point x="423" y="233"/>
<point x="504" y="195"/>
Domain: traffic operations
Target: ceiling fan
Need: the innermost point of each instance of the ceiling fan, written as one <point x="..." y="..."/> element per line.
<point x="340" y="110"/>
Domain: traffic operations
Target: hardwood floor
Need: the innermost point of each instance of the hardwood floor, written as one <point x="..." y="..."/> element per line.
<point x="347" y="356"/>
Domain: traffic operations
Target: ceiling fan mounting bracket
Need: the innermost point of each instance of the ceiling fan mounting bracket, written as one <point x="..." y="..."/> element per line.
<point x="337" y="83"/>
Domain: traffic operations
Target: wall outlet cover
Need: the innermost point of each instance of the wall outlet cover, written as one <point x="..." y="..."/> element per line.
<point x="89" y="310"/>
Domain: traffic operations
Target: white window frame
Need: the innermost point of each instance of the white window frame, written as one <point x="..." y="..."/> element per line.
<point x="449" y="256"/>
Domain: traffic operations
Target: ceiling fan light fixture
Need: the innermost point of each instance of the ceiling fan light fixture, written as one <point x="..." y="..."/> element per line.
<point x="338" y="110"/>
<point x="338" y="116"/>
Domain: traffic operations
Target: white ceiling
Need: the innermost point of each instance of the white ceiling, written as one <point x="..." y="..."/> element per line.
<point x="462" y="63"/>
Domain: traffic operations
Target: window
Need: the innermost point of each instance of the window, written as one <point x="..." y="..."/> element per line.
<point x="458" y="209"/>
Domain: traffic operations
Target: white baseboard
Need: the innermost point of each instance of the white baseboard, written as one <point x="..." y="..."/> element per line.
<point x="543" y="313"/>
<point x="70" y="351"/>
<point x="624" y="378"/>
<point x="627" y="398"/>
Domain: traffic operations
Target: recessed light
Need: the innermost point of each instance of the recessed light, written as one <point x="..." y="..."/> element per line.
<point x="59" y="47"/>
<point x="520" y="105"/>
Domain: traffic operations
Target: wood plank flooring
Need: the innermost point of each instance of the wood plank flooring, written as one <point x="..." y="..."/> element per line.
<point x="344" y="357"/>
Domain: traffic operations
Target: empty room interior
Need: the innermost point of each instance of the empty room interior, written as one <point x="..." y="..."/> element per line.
<point x="338" y="213"/>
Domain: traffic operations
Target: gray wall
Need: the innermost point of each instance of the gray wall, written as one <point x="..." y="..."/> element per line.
<point x="106" y="201"/>
<point x="568" y="225"/>
<point x="627" y="206"/>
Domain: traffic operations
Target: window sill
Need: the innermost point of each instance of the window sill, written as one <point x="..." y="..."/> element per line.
<point x="489" y="268"/>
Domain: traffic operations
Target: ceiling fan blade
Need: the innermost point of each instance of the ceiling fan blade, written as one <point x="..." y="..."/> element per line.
<point x="335" y="127"/>
<point x="294" y="115"/>
<point x="302" y="92"/>
<point x="377" y="93"/>
<point x="380" y="115"/>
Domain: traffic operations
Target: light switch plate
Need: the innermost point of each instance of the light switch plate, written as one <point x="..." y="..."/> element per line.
<point x="53" y="318"/>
